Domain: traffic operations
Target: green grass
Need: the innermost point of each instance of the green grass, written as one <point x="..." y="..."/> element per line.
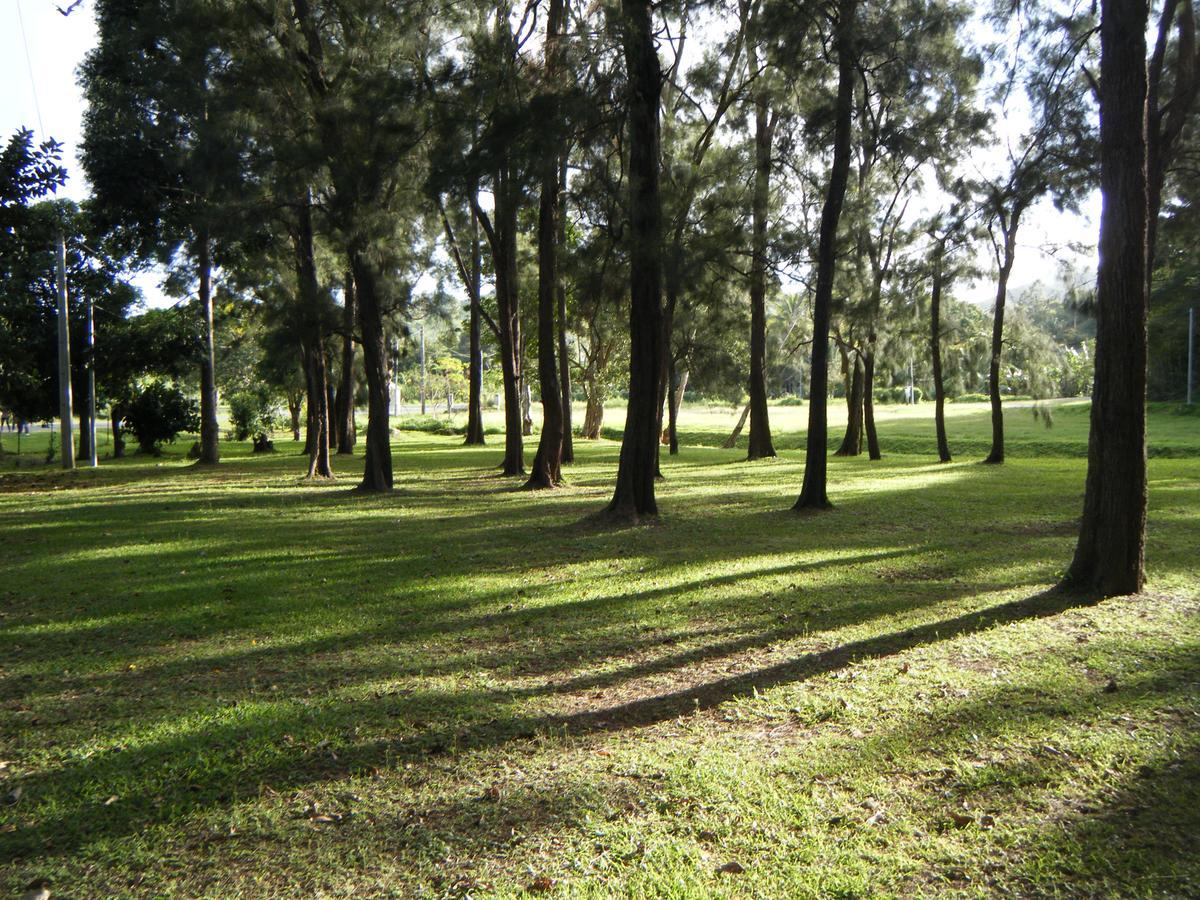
<point x="232" y="682"/>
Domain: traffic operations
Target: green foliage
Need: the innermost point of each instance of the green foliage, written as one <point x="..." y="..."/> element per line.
<point x="254" y="413"/>
<point x="158" y="414"/>
<point x="898" y="394"/>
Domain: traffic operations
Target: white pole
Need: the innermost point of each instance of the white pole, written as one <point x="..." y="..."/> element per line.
<point x="91" y="373"/>
<point x="67" y="430"/>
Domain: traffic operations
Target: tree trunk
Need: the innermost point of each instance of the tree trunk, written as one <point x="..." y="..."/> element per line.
<point x="510" y="323"/>
<point x="852" y="442"/>
<point x="1110" y="555"/>
<point x="547" y="462"/>
<point x="812" y="494"/>
<point x="294" y="401"/>
<point x="1010" y="250"/>
<point x="317" y="377"/>
<point x="761" y="445"/>
<point x="344" y="400"/>
<point x="869" y="399"/>
<point x="633" y="497"/>
<point x="210" y="451"/>
<point x="731" y="441"/>
<point x="593" y="417"/>
<point x="673" y="411"/>
<point x="85" y="436"/>
<point x="117" y="413"/>
<point x="377" y="459"/>
<point x="679" y="385"/>
<point x="564" y="361"/>
<point x="935" y="353"/>
<point x="475" y="367"/>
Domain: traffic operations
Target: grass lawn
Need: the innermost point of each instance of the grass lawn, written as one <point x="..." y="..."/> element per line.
<point x="233" y="682"/>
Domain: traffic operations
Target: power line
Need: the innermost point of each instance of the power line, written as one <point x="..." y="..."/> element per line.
<point x="29" y="64"/>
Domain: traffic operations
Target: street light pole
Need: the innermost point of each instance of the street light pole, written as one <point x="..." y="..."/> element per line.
<point x="67" y="430"/>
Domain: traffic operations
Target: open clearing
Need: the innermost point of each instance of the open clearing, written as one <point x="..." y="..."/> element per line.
<point x="232" y="681"/>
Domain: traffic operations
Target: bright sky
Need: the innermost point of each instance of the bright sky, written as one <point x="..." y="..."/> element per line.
<point x="57" y="45"/>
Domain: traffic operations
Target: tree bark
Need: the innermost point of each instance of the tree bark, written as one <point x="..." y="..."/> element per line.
<point x="475" y="366"/>
<point x="731" y="441"/>
<point x="547" y="462"/>
<point x="935" y="353"/>
<point x="117" y="413"/>
<point x="873" y="451"/>
<point x="812" y="493"/>
<point x="293" y="401"/>
<point x="314" y="349"/>
<point x="852" y="442"/>
<point x="1010" y="250"/>
<point x="593" y="417"/>
<point x="510" y="323"/>
<point x="633" y="497"/>
<point x="344" y="400"/>
<point x="1110" y="555"/>
<point x="85" y="436"/>
<point x="564" y="361"/>
<point x="377" y="458"/>
<point x="210" y="450"/>
<point x="761" y="445"/>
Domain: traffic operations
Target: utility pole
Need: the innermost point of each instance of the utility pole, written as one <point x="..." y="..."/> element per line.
<point x="422" y="370"/>
<point x="91" y="373"/>
<point x="1191" y="372"/>
<point x="66" y="432"/>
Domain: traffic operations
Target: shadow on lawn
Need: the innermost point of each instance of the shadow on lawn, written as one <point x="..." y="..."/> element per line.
<point x="394" y="585"/>
<point x="160" y="767"/>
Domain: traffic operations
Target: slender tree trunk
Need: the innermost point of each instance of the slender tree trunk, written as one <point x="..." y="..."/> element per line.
<point x="475" y="367"/>
<point x="85" y="436"/>
<point x="564" y="361"/>
<point x="293" y="402"/>
<point x="673" y="411"/>
<point x="935" y="353"/>
<point x="210" y="451"/>
<point x="869" y="399"/>
<point x="1110" y="555"/>
<point x="633" y="496"/>
<point x="593" y="417"/>
<point x="679" y="382"/>
<point x="852" y="442"/>
<point x="547" y="462"/>
<point x="377" y="459"/>
<point x="314" y="349"/>
<point x="731" y="441"/>
<point x="1010" y="250"/>
<point x="761" y="445"/>
<point x="344" y="400"/>
<point x="813" y="494"/>
<point x="117" y="413"/>
<point x="510" y="323"/>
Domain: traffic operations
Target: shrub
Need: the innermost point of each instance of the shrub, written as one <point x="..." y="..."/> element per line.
<point x="158" y="414"/>
<point x="897" y="394"/>
<point x="254" y="415"/>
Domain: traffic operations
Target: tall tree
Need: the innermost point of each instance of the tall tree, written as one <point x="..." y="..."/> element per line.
<point x="1053" y="157"/>
<point x="1135" y="136"/>
<point x="547" y="463"/>
<point x="813" y="494"/>
<point x="162" y="148"/>
<point x="633" y="497"/>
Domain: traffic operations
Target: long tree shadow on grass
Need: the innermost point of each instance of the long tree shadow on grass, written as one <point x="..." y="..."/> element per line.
<point x="76" y="820"/>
